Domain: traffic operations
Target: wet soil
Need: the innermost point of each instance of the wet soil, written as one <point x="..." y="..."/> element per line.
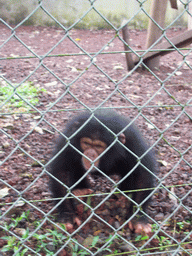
<point x="78" y="74"/>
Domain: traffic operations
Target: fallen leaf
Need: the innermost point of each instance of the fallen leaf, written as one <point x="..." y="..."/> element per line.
<point x="178" y="73"/>
<point x="172" y="196"/>
<point x="20" y="203"/>
<point x="20" y="231"/>
<point x="51" y="83"/>
<point x="164" y="163"/>
<point x="38" y="129"/>
<point x="150" y="126"/>
<point x="4" y="192"/>
<point x="118" y="67"/>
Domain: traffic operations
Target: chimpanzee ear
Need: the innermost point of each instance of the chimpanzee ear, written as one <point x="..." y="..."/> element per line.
<point x="122" y="138"/>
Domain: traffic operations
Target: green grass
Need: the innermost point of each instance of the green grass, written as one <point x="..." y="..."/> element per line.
<point x="12" y="97"/>
<point x="46" y="241"/>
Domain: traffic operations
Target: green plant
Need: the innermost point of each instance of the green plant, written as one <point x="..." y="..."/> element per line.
<point x="48" y="241"/>
<point x="163" y="241"/>
<point x="15" y="221"/>
<point x="13" y="244"/>
<point x="94" y="245"/>
<point x="52" y="239"/>
<point x="20" y="96"/>
<point x="141" y="238"/>
<point x="75" y="247"/>
<point x="181" y="225"/>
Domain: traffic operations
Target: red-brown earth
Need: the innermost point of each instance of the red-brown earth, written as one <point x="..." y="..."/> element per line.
<point x="72" y="81"/>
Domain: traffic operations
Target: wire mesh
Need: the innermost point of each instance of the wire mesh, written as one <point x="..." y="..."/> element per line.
<point x="67" y="65"/>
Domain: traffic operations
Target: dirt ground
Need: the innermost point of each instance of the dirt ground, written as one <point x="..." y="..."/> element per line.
<point x="73" y="82"/>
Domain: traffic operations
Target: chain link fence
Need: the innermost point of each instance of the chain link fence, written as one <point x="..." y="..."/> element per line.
<point x="50" y="73"/>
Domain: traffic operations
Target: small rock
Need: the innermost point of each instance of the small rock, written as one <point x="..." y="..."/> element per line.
<point x="159" y="216"/>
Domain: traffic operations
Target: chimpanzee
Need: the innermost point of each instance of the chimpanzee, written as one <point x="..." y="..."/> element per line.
<point x="109" y="134"/>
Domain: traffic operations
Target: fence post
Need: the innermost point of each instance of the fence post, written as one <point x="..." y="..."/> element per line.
<point x="190" y="17"/>
<point x="128" y="56"/>
<point x="158" y="10"/>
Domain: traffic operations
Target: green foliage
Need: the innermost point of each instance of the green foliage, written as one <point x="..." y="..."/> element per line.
<point x="163" y="241"/>
<point x="19" y="96"/>
<point x="51" y="239"/>
<point x="77" y="251"/>
<point x="15" y="245"/>
<point x="141" y="238"/>
<point x="15" y="221"/>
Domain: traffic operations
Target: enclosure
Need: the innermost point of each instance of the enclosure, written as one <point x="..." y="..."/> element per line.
<point x="59" y="58"/>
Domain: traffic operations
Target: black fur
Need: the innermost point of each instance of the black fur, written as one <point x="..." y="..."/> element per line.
<point x="68" y="168"/>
